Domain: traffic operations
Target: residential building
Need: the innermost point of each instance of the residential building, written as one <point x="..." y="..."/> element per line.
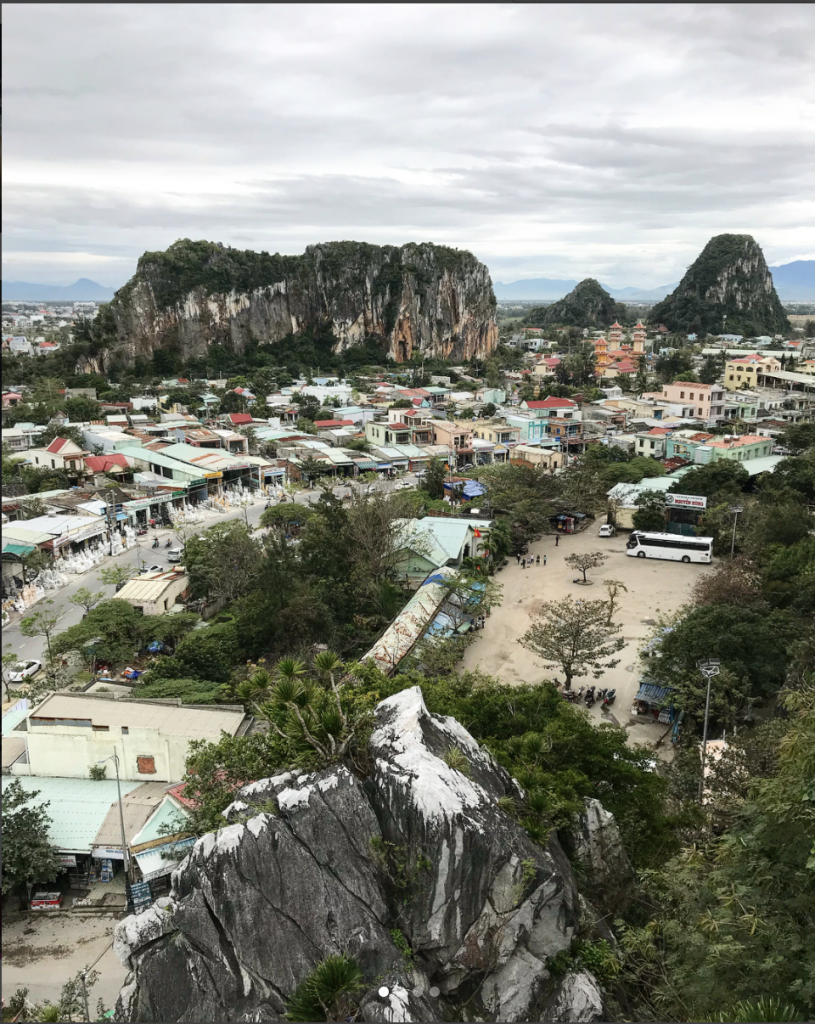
<point x="60" y="454"/>
<point x="154" y="593"/>
<point x="69" y="733"/>
<point x="536" y="455"/>
<point x="652" y="442"/>
<point x="742" y="372"/>
<point x="435" y="541"/>
<point x="497" y="433"/>
<point x="708" y="399"/>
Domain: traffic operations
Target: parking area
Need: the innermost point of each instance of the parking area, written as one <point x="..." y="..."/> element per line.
<point x="655" y="587"/>
<point x="42" y="952"/>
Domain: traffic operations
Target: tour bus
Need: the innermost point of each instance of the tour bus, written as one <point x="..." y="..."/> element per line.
<point x="669" y="545"/>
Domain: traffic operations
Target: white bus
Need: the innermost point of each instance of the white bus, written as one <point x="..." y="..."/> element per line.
<point x="670" y="545"/>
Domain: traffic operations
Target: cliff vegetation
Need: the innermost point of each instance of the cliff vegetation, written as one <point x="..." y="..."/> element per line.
<point x="587" y="304"/>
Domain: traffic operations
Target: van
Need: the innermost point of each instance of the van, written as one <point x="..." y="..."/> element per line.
<point x="175" y="554"/>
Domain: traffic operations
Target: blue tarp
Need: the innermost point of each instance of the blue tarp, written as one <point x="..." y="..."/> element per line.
<point x="654" y="694"/>
<point x="472" y="489"/>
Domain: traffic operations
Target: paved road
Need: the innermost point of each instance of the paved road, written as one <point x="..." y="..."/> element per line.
<point x="69" y="614"/>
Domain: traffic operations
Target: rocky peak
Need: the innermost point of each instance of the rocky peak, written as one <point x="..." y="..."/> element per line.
<point x="417" y="298"/>
<point x="587" y="303"/>
<point x="314" y="864"/>
<point x="728" y="288"/>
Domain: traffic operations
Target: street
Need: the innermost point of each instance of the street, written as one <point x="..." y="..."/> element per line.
<point x="69" y="614"/>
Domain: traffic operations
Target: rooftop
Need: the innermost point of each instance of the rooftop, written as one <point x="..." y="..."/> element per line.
<point x="149" y="587"/>
<point x="137" y="806"/>
<point x="168" y="719"/>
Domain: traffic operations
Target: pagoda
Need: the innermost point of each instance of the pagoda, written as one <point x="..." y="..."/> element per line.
<point x="601" y="356"/>
<point x="615" y="336"/>
<point x="639" y="336"/>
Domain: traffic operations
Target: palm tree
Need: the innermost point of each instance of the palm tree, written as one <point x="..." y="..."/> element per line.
<point x="290" y="668"/>
<point x="327" y="663"/>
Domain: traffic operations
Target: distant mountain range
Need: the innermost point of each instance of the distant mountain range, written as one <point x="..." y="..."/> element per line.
<point x="793" y="282"/>
<point x="82" y="290"/>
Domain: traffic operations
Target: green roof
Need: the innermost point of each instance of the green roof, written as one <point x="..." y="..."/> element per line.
<point x="10" y="548"/>
<point x="77" y="807"/>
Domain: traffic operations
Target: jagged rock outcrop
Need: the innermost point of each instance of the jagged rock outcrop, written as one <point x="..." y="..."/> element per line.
<point x="586" y="304"/>
<point x="315" y="864"/>
<point x="577" y="998"/>
<point x="418" y="299"/>
<point x="599" y="847"/>
<point x="728" y="288"/>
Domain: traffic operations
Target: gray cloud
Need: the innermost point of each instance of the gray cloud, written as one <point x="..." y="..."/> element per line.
<point x="556" y="140"/>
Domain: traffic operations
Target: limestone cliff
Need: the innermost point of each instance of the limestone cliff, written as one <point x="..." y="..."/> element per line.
<point x="728" y="288"/>
<point x="314" y="865"/>
<point x="418" y="299"/>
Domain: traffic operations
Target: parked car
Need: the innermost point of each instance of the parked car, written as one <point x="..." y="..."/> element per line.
<point x="779" y="449"/>
<point x="151" y="568"/>
<point x="24" y="669"/>
<point x="606" y="530"/>
<point x="403" y="485"/>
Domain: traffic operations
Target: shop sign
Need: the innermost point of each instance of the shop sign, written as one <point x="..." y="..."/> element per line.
<point x="213" y="476"/>
<point x="109" y="852"/>
<point x="90" y="531"/>
<point x="685" y="501"/>
<point x="67" y="860"/>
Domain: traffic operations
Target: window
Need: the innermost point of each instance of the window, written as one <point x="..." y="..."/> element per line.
<point x="146" y="765"/>
<point x="53" y="464"/>
<point x="681" y="394"/>
<point x="125" y="730"/>
<point x="690" y="396"/>
<point x="652" y="444"/>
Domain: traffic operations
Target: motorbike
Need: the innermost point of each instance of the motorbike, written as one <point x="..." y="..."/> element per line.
<point x="155" y="543"/>
<point x="589" y="695"/>
<point x="609" y="698"/>
<point x="169" y="544"/>
<point x="602" y="693"/>
<point x="142" y="530"/>
<point x="579" y="694"/>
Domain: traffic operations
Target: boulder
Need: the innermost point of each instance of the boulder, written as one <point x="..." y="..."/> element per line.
<point x="599" y="848"/>
<point x="576" y="998"/>
<point x="314" y="864"/>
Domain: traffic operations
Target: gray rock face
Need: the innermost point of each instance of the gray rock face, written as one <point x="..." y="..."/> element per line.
<point x="316" y="864"/>
<point x="599" y="847"/>
<point x="576" y="998"/>
<point x="417" y="298"/>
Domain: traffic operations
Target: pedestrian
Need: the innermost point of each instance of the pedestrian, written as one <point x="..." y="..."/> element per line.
<point x="518" y="559"/>
<point x="544" y="561"/>
<point x="537" y="560"/>
<point x="523" y="564"/>
<point x="557" y="539"/>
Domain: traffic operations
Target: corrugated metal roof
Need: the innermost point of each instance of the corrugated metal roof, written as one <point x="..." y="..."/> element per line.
<point x="149" y="587"/>
<point x="77" y="807"/>
<point x="137" y="806"/>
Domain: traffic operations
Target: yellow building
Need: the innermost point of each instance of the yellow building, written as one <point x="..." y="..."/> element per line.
<point x="744" y="371"/>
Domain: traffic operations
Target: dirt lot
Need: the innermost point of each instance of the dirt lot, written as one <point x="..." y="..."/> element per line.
<point x="42" y="953"/>
<point x="654" y="587"/>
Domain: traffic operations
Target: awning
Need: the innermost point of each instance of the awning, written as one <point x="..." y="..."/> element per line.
<point x="365" y="463"/>
<point x="155" y="862"/>
<point x="11" y="550"/>
<point x="653" y="694"/>
<point x="383" y="465"/>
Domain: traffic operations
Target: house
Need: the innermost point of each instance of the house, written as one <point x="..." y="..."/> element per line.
<point x="707" y="399"/>
<point x="496" y="433"/>
<point x="536" y="455"/>
<point x="652" y="442"/>
<point x="69" y="733"/>
<point x="743" y="371"/>
<point x="435" y="541"/>
<point x="60" y="454"/>
<point x="115" y="464"/>
<point x="154" y="593"/>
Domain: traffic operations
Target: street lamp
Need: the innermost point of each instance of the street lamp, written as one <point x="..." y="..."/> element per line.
<point x="736" y="510"/>
<point x="125" y="859"/>
<point x="709" y="669"/>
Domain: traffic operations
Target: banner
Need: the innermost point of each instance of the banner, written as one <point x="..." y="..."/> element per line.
<point x="685" y="501"/>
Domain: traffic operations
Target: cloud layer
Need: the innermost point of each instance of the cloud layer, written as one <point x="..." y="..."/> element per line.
<point x="551" y="140"/>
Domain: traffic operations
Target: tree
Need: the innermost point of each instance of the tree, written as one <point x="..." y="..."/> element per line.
<point x="328" y="991"/>
<point x="44" y="623"/>
<point x="116" y="574"/>
<point x="576" y="636"/>
<point x="798" y="438"/>
<point x="710" y="371"/>
<point x="222" y="561"/>
<point x="651" y="512"/>
<point x="34" y="508"/>
<point x="119" y="629"/>
<point x="434" y="478"/>
<point x="736" y="582"/>
<point x="722" y="479"/>
<point x="286" y="515"/>
<point x="67" y="433"/>
<point x="493" y="373"/>
<point x="489" y="410"/>
<point x="85" y="599"/>
<point x="641" y="378"/>
<point x="614" y="588"/>
<point x="584" y="562"/>
<point x="82" y="409"/>
<point x="28" y="856"/>
<point x="311" y="468"/>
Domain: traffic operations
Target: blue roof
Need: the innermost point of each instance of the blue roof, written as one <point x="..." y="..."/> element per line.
<point x="654" y="694"/>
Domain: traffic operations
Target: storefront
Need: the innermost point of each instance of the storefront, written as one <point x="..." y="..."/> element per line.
<point x="142" y="510"/>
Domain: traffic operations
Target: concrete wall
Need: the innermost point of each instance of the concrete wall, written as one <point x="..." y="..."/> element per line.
<point x="69" y="751"/>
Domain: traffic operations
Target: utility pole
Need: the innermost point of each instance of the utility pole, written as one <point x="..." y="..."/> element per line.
<point x="736" y="510"/>
<point x="709" y="669"/>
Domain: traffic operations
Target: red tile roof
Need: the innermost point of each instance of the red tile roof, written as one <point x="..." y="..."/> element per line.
<point x="240" y="417"/>
<point x="553" y="403"/>
<point x="103" y="463"/>
<point x="56" y="445"/>
<point x="333" y="423"/>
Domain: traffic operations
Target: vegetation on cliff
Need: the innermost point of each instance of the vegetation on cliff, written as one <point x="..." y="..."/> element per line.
<point x="728" y="288"/>
<point x="588" y="303"/>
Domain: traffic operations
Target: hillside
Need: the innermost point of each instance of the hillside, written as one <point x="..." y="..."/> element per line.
<point x="729" y="287"/>
<point x="82" y="290"/>
<point x="587" y="303"/>
<point x="418" y="299"/>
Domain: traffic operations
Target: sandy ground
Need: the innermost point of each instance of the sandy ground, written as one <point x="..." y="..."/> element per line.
<point x="42" y="953"/>
<point x="654" y="587"/>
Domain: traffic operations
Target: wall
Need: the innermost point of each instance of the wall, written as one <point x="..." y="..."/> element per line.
<point x="68" y="751"/>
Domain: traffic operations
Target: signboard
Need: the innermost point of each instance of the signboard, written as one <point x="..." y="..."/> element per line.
<point x="217" y="476"/>
<point x="109" y="852"/>
<point x="90" y="531"/>
<point x="67" y="860"/>
<point x="685" y="501"/>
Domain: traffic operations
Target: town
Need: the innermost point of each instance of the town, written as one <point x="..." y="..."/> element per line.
<point x="166" y="545"/>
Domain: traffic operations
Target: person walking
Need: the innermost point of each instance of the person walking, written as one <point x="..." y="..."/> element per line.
<point x="523" y="564"/>
<point x="557" y="539"/>
<point x="537" y="560"/>
<point x="544" y="561"/>
<point x="518" y="559"/>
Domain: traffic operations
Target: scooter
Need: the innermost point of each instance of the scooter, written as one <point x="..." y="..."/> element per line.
<point x="155" y="543"/>
<point x="169" y="544"/>
<point x="579" y="694"/>
<point x="602" y="693"/>
<point x="589" y="695"/>
<point x="609" y="699"/>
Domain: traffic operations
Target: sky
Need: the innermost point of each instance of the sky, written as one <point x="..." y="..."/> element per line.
<point x="550" y="140"/>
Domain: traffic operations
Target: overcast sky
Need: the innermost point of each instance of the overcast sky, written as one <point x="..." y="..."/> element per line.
<point x="558" y="141"/>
